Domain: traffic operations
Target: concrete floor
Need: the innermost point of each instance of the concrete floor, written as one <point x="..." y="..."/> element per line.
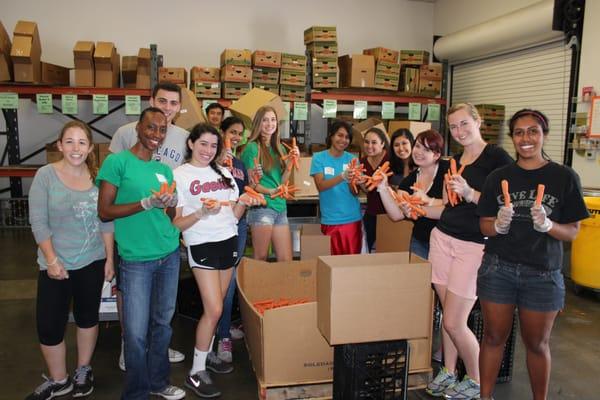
<point x="575" y="343"/>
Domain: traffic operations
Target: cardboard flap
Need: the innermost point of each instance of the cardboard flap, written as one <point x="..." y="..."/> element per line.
<point x="22" y="49"/>
<point x="247" y="106"/>
<point x="105" y="52"/>
<point x="26" y="28"/>
<point x="84" y="49"/>
<point x="191" y="113"/>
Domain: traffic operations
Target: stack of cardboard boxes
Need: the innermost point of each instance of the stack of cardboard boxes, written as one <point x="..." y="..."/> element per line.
<point x="176" y="75"/>
<point x="411" y="61"/>
<point x="26" y="53"/>
<point x="387" y="68"/>
<point x="322" y="48"/>
<point x="236" y="73"/>
<point x="204" y="82"/>
<point x="293" y="65"/>
<point x="142" y="76"/>
<point x="430" y="79"/>
<point x="129" y="71"/>
<point x="265" y="70"/>
<point x="107" y="64"/>
<point x="492" y="116"/>
<point x="83" y="57"/>
<point x="357" y="71"/>
<point x="6" y="67"/>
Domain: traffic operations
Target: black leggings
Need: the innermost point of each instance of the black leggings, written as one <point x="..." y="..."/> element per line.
<point x="54" y="296"/>
<point x="370" y="224"/>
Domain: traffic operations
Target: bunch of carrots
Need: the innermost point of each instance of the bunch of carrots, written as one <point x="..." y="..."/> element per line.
<point x="254" y="194"/>
<point x="377" y="177"/>
<point x="292" y="156"/>
<point x="453" y="197"/>
<point x="414" y="203"/>
<point x="212" y="203"/>
<point x="356" y="170"/>
<point x="264" y="305"/>
<point x="165" y="189"/>
<point x="506" y="194"/>
<point x="285" y="190"/>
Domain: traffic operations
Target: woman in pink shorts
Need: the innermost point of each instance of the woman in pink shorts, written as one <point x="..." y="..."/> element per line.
<point x="456" y="249"/>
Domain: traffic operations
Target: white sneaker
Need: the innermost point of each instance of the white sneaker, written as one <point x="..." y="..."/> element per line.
<point x="175" y="356"/>
<point x="170" y="393"/>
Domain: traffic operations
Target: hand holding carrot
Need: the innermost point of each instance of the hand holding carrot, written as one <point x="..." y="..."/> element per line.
<point x="293" y="156"/>
<point x="541" y="222"/>
<point x="250" y="201"/>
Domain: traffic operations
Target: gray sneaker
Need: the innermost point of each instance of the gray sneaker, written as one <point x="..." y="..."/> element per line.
<point x="216" y="365"/>
<point x="224" y="350"/>
<point x="443" y="380"/>
<point x="466" y="389"/>
<point x="201" y="384"/>
<point x="170" y="392"/>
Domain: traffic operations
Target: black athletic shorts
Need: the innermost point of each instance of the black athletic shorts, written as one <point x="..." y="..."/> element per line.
<point x="214" y="255"/>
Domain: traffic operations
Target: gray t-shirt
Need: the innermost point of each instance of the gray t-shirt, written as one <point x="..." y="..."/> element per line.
<point x="69" y="217"/>
<point x="171" y="152"/>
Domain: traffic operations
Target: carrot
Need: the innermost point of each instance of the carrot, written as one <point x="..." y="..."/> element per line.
<point x="505" y="192"/>
<point x="540" y="195"/>
<point x="453" y="170"/>
<point x="228" y="161"/>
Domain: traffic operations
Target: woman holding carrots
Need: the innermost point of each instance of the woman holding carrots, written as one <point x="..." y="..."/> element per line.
<point x="75" y="256"/>
<point x="376" y="148"/>
<point x="456" y="249"/>
<point x="265" y="159"/>
<point x="426" y="184"/>
<point x="401" y="162"/>
<point x="340" y="209"/>
<point x="207" y="213"/>
<point x="539" y="207"/>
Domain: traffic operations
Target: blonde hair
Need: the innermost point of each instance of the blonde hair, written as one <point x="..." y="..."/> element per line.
<point x="468" y="107"/>
<point x="265" y="158"/>
<point x="90" y="160"/>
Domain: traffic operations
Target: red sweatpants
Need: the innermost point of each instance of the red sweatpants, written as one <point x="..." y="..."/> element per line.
<point x="345" y="238"/>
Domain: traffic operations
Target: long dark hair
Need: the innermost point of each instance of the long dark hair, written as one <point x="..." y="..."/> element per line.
<point x="195" y="134"/>
<point x="396" y="163"/>
<point x="336" y="126"/>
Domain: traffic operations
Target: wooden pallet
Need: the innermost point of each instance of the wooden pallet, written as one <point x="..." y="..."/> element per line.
<point x="324" y="391"/>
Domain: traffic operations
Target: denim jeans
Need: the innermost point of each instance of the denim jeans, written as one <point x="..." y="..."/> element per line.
<point x="225" y="321"/>
<point x="419" y="248"/>
<point x="149" y="291"/>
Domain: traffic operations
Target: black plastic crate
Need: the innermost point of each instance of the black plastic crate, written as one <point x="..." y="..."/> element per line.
<point x="377" y="370"/>
<point x="14" y="213"/>
<point x="475" y="323"/>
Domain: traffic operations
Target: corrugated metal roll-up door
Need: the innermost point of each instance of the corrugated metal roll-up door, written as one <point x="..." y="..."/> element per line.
<point x="536" y="77"/>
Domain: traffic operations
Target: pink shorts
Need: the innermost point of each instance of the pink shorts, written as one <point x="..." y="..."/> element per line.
<point x="454" y="263"/>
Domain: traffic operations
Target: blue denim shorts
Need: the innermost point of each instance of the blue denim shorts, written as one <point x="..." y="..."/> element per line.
<point x="504" y="282"/>
<point x="266" y="216"/>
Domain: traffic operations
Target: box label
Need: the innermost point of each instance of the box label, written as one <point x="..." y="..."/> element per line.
<point x="133" y="105"/>
<point x="433" y="112"/>
<point x="44" y="103"/>
<point x="414" y="111"/>
<point x="286" y="107"/>
<point x="69" y="104"/>
<point x="388" y="109"/>
<point x="360" y="109"/>
<point x="100" y="104"/>
<point x="329" y="108"/>
<point x="300" y="111"/>
<point x="9" y="101"/>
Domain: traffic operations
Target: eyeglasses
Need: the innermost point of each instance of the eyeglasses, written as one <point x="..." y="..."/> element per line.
<point x="461" y="125"/>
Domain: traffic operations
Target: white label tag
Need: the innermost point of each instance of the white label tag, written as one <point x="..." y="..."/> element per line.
<point x="329" y="171"/>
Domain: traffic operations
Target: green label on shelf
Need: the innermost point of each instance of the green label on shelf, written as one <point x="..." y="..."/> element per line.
<point x="133" y="105"/>
<point x="9" y="101"/>
<point x="69" y="104"/>
<point x="329" y="108"/>
<point x="360" y="109"/>
<point x="300" y="111"/>
<point x="433" y="112"/>
<point x="100" y="104"/>
<point x="44" y="103"/>
<point x="286" y="107"/>
<point x="388" y="109"/>
<point x="206" y="103"/>
<point x="414" y="111"/>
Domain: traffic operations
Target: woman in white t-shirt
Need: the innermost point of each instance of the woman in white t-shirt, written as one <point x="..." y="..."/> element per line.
<point x="207" y="213"/>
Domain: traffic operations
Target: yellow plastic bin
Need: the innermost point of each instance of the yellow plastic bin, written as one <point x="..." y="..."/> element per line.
<point x="585" y="268"/>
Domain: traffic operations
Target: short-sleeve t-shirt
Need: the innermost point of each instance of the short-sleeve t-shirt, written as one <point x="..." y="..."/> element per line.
<point x="338" y="205"/>
<point x="196" y="183"/>
<point x="149" y="234"/>
<point x="271" y="179"/>
<point x="562" y="201"/>
<point x="374" y="203"/>
<point x="423" y="226"/>
<point x="461" y="221"/>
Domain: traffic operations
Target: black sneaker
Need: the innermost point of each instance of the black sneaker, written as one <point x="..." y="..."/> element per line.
<point x="201" y="384"/>
<point x="216" y="365"/>
<point x="83" y="381"/>
<point x="50" y="389"/>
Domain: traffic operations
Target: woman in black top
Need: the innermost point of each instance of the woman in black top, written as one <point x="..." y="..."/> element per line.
<point x="523" y="254"/>
<point x="401" y="162"/>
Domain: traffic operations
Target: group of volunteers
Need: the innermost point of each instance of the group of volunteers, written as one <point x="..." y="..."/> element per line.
<point x="163" y="186"/>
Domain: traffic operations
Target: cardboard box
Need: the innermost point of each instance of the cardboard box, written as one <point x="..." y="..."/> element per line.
<point x="360" y="129"/>
<point x="430" y="88"/>
<point x="103" y="152"/>
<point x="325" y="80"/>
<point x="284" y="344"/>
<point x="373" y="297"/>
<point x="235" y="90"/>
<point x="323" y="49"/>
<point x="292" y="93"/>
<point x="83" y="57"/>
<point x="357" y="70"/>
<point x="325" y="65"/>
<point x="415" y="127"/>
<point x="247" y="106"/>
<point x="6" y="66"/>
<point x="236" y="73"/>
<point x="302" y="180"/>
<point x="431" y="72"/>
<point x="293" y="61"/>
<point x="393" y="237"/>
<point x="409" y="79"/>
<point x="55" y="74"/>
<point x="414" y="57"/>
<point x="320" y="34"/>
<point x="264" y="58"/>
<point x="386" y="82"/>
<point x="313" y="243"/>
<point x="142" y="78"/>
<point x="268" y="76"/>
<point x="52" y="153"/>
<point x="205" y="74"/>
<point x="207" y="90"/>
<point x="236" y="57"/>
<point x="107" y="65"/>
<point x="269" y="88"/>
<point x="491" y="112"/>
<point x="191" y="112"/>
<point x="173" y="75"/>
<point x="129" y="70"/>
<point x="383" y="54"/>
<point x="390" y="70"/>
<point x="26" y="53"/>
<point x="292" y="78"/>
